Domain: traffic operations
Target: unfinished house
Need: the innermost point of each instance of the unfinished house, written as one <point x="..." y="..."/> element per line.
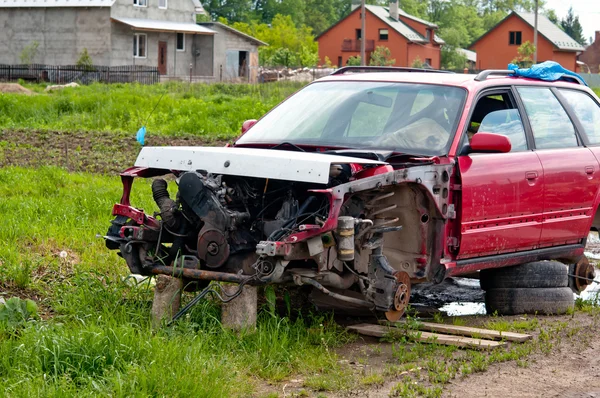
<point x="161" y="33"/>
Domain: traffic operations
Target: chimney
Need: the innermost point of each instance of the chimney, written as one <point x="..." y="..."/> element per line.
<point x="355" y="4"/>
<point x="597" y="37"/>
<point x="394" y="9"/>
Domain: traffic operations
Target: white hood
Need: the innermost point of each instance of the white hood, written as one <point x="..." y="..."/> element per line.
<point x="249" y="162"/>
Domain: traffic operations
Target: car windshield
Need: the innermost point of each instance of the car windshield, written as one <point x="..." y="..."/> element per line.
<point x="402" y="117"/>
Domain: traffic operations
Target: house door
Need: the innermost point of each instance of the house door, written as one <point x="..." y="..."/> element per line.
<point x="162" y="57"/>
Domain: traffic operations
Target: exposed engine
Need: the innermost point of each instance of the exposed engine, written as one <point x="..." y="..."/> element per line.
<point x="324" y="232"/>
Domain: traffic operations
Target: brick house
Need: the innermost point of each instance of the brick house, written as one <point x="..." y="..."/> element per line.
<point x="591" y="56"/>
<point x="408" y="38"/>
<point x="498" y="47"/>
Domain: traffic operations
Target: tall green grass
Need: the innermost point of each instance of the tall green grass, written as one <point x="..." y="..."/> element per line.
<point x="95" y="338"/>
<point x="216" y="110"/>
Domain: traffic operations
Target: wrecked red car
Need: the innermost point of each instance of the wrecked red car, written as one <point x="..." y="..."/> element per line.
<point x="371" y="180"/>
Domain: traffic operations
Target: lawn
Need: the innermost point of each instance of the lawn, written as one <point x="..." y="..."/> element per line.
<point x="173" y="109"/>
<point x="94" y="335"/>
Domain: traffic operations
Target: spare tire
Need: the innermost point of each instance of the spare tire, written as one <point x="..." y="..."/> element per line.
<point x="548" y="301"/>
<point x="529" y="275"/>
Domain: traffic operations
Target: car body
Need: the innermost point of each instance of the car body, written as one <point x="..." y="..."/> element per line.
<point x="370" y="180"/>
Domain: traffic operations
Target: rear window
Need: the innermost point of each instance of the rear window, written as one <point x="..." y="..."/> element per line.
<point x="587" y="111"/>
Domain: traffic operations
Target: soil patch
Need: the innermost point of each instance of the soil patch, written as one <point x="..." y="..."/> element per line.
<point x="104" y="153"/>
<point x="14" y="88"/>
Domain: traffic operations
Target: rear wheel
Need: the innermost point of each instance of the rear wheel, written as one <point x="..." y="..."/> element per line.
<point x="513" y="301"/>
<point x="537" y="274"/>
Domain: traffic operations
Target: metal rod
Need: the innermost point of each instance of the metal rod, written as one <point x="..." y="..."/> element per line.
<point x="340" y="297"/>
<point x="535" y="33"/>
<point x="363" y="21"/>
<point x="198" y="274"/>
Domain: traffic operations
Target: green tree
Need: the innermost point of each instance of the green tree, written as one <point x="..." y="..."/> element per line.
<point x="417" y="63"/>
<point x="382" y="57"/>
<point x="232" y="10"/>
<point x="551" y="15"/>
<point x="524" y="56"/>
<point x="29" y="53"/>
<point x="85" y="61"/>
<point x="283" y="33"/>
<point x="572" y="27"/>
<point x="354" y="61"/>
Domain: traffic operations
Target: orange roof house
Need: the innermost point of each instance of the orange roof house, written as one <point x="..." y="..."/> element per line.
<point x="498" y="47"/>
<point x="408" y="37"/>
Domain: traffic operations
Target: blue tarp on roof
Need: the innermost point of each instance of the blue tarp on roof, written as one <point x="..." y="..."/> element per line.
<point x="548" y="70"/>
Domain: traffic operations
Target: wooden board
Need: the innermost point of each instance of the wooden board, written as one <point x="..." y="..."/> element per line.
<point x="470" y="332"/>
<point x="427" y="337"/>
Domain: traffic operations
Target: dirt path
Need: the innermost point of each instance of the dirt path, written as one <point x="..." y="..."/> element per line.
<point x="571" y="370"/>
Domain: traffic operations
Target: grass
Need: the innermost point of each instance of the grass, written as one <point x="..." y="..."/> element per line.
<point x="215" y="111"/>
<point x="94" y="338"/>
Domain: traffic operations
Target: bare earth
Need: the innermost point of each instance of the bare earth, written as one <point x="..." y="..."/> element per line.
<point x="572" y="370"/>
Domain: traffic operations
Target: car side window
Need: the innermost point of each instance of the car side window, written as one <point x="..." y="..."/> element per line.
<point x="587" y="111"/>
<point x="551" y="126"/>
<point x="508" y="123"/>
<point x="497" y="113"/>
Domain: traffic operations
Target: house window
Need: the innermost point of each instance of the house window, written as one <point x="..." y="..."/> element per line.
<point x="180" y="41"/>
<point x="428" y="34"/>
<point x="140" y="3"/>
<point x="162" y="4"/>
<point x="428" y="61"/>
<point x="339" y="62"/>
<point x="139" y="45"/>
<point x="358" y="34"/>
<point x="514" y="38"/>
<point x="383" y="34"/>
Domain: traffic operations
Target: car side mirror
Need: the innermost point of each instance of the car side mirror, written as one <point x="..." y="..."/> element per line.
<point x="490" y="143"/>
<point x="248" y="124"/>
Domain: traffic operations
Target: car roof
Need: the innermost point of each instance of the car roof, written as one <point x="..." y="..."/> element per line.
<point x="448" y="79"/>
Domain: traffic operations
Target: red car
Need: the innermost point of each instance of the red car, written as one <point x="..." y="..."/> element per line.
<point x="373" y="179"/>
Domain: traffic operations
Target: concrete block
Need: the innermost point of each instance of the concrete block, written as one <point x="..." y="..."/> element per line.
<point x="240" y="313"/>
<point x="167" y="299"/>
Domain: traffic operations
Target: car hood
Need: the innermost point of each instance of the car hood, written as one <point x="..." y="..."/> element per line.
<point x="250" y="162"/>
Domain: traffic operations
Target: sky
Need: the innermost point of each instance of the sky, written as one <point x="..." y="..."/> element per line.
<point x="587" y="10"/>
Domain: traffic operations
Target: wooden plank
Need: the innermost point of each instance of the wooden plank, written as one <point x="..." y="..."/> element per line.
<point x="427" y="337"/>
<point x="471" y="332"/>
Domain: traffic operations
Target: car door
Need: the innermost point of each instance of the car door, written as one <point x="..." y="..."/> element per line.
<point x="586" y="110"/>
<point x="501" y="193"/>
<point x="571" y="173"/>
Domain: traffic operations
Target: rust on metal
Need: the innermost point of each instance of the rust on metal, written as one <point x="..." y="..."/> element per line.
<point x="401" y="297"/>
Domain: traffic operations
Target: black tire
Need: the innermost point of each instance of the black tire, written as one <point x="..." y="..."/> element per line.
<point x="547" y="301"/>
<point x="538" y="274"/>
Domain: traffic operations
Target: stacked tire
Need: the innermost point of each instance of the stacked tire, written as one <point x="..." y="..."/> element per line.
<point x="540" y="287"/>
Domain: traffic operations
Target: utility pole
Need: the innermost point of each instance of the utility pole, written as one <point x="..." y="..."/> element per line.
<point x="363" y="19"/>
<point x="535" y="33"/>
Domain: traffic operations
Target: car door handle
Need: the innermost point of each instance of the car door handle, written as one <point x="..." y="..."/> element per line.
<point x="531" y="175"/>
<point x="589" y="170"/>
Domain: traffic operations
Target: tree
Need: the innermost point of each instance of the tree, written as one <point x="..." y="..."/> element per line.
<point x="85" y="61"/>
<point x="232" y="10"/>
<point x="354" y="61"/>
<point x="572" y="27"/>
<point x="525" y="55"/>
<point x="283" y="34"/>
<point x="551" y="15"/>
<point x="417" y="63"/>
<point x="29" y="53"/>
<point x="381" y="57"/>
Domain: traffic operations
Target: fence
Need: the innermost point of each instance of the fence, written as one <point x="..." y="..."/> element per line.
<point x="81" y="74"/>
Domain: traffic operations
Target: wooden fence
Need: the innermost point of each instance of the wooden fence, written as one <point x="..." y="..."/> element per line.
<point x="80" y="74"/>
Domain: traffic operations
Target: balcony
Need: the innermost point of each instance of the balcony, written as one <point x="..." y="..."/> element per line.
<point x="349" y="45"/>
